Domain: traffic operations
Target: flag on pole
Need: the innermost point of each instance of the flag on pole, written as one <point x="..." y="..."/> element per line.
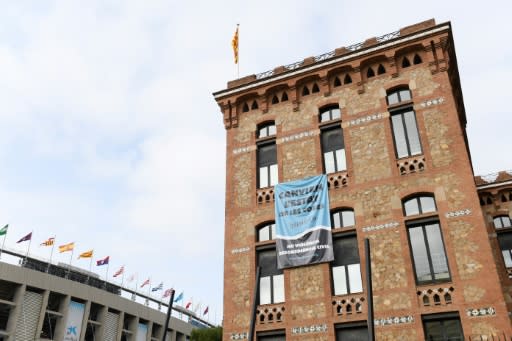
<point x="179" y="298"/>
<point x="26" y="238"/>
<point x="188" y="304"/>
<point x="48" y="242"/>
<point x="167" y="293"/>
<point x="146" y="282"/>
<point x="205" y="311"/>
<point x="3" y="230"/>
<point x="119" y="272"/>
<point x="158" y="287"/>
<point x="67" y="247"/>
<point x="103" y="261"/>
<point x="86" y="254"/>
<point x="234" y="44"/>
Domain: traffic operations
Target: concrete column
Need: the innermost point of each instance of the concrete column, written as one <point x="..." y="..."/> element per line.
<point x="85" y="320"/>
<point x="150" y="330"/>
<point x="42" y="314"/>
<point x="61" y="324"/>
<point x="15" y="311"/>
<point x="100" y="330"/>
<point x="120" y="326"/>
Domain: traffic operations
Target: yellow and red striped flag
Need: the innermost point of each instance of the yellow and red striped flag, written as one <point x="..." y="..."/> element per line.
<point x="86" y="254"/>
<point x="67" y="247"/>
<point x="48" y="242"/>
<point x="234" y="44"/>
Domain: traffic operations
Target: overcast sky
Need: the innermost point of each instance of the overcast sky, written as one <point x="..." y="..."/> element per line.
<point x="110" y="137"/>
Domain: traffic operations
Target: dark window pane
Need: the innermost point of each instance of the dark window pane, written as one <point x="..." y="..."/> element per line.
<point x="447" y="329"/>
<point x="332" y="139"/>
<point x="272" y="338"/>
<point x="268" y="263"/>
<point x="267" y="155"/>
<point x="352" y="334"/>
<point x="345" y="251"/>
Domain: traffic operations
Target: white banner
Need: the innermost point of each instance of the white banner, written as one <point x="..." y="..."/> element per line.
<point x="74" y="321"/>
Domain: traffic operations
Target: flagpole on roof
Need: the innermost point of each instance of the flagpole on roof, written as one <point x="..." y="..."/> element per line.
<point x="28" y="248"/>
<point x="4" y="229"/>
<point x="51" y="254"/>
<point x="70" y="259"/>
<point x="122" y="278"/>
<point x="106" y="274"/>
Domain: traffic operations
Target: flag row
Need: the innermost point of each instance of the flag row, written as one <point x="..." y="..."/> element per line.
<point x="69" y="247"/>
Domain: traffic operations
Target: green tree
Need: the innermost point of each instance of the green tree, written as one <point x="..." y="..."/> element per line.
<point x="206" y="334"/>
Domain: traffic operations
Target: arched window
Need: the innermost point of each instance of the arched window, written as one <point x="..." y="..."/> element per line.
<point x="406" y="62"/>
<point x="347" y="79"/>
<point x="399" y="95"/>
<point x="370" y="73"/>
<point x="330" y="113"/>
<point x="254" y="105"/>
<point x="419" y="205"/>
<point x="343" y="218"/>
<point x="315" y="88"/>
<point x="502" y="221"/>
<point x="305" y="91"/>
<point x="284" y="97"/>
<point x="266" y="129"/>
<point x="275" y="100"/>
<point x="337" y="82"/>
<point x="245" y="107"/>
<point x="417" y="59"/>
<point x="381" y="70"/>
<point x="266" y="232"/>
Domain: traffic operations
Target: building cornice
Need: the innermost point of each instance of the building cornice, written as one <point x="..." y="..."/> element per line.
<point x="303" y="70"/>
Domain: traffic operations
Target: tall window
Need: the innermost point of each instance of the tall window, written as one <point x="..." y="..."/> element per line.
<point x="333" y="150"/>
<point x="267" y="155"/>
<point x="351" y="332"/>
<point x="271" y="278"/>
<point x="426" y="242"/>
<point x="266" y="232"/>
<point x="445" y="327"/>
<point x="342" y="218"/>
<point x="333" y="147"/>
<point x="346" y="267"/>
<point x="403" y="121"/>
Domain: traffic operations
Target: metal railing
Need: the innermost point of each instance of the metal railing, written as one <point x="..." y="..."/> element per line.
<point x="329" y="55"/>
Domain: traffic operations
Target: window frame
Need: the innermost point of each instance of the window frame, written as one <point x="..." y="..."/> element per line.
<point x="266" y="126"/>
<point x="348" y="326"/>
<point x="338" y="162"/>
<point x="329" y="109"/>
<point x="332" y="265"/>
<point x="417" y="197"/>
<point x="501" y="217"/>
<point x="450" y="316"/>
<point x="279" y="272"/>
<point x="270" y="179"/>
<point x="500" y="236"/>
<point x="423" y="222"/>
<point x="271" y="231"/>
<point x="407" y="134"/>
<point x="339" y="211"/>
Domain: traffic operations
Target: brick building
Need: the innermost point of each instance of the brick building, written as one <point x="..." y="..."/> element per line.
<point x="385" y="120"/>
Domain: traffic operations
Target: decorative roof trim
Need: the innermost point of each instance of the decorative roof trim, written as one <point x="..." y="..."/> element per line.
<point x="258" y="83"/>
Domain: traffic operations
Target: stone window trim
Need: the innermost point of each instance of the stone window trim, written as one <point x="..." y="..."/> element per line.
<point x="328" y="109"/>
<point x="343" y="227"/>
<point x="420" y="200"/>
<point x="269" y="129"/>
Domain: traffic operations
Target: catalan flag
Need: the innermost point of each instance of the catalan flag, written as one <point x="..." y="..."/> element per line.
<point x="3" y="230"/>
<point x="48" y="242"/>
<point x="67" y="247"/>
<point x="86" y="254"/>
<point x="234" y="44"/>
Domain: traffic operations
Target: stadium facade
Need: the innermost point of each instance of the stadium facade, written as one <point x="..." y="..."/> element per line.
<point x="384" y="121"/>
<point x="43" y="301"/>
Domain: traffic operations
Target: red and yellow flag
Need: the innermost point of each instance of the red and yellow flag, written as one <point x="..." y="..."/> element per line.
<point x="48" y="242"/>
<point x="86" y="254"/>
<point x="234" y="44"/>
<point x="66" y="247"/>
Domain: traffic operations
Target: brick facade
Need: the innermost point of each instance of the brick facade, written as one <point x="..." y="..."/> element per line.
<point x="374" y="185"/>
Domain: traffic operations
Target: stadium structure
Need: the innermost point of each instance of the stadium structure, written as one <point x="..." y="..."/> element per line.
<point x="40" y="300"/>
